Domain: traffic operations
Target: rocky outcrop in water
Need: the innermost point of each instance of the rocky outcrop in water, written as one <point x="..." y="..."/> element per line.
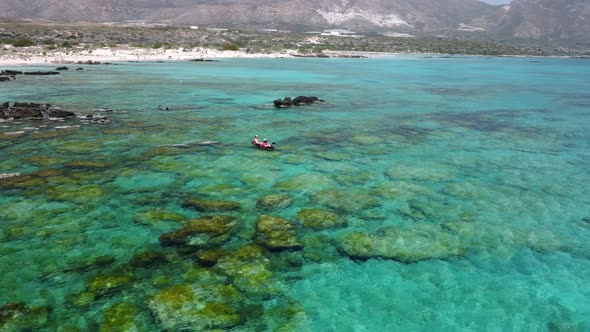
<point x="32" y="111"/>
<point x="91" y="62"/>
<point x="42" y="73"/>
<point x="203" y="60"/>
<point x="7" y="75"/>
<point x="11" y="72"/>
<point x="297" y="101"/>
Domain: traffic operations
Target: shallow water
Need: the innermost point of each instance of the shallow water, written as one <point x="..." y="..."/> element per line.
<point x="458" y="187"/>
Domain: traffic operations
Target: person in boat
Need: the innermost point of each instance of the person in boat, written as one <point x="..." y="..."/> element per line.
<point x="265" y="144"/>
<point x="256" y="141"/>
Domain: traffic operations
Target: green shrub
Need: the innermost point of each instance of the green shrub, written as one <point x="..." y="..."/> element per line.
<point x="22" y="42"/>
<point x="231" y="47"/>
<point x="66" y="44"/>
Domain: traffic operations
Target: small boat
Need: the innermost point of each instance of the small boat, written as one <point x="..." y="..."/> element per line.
<point x="259" y="145"/>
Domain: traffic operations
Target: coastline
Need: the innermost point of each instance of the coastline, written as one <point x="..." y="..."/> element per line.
<point x="12" y="56"/>
<point x="38" y="56"/>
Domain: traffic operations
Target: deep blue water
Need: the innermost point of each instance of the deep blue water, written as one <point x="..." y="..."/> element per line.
<point x="449" y="194"/>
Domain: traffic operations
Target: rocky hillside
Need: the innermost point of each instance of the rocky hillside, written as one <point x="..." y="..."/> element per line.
<point x="417" y="15"/>
<point x="547" y="19"/>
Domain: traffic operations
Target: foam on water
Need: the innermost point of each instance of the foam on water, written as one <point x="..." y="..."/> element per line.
<point x="426" y="194"/>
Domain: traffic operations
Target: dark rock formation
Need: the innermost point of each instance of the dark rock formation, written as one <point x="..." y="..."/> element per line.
<point x="35" y="113"/>
<point x="17" y="104"/>
<point x="90" y="62"/>
<point x="57" y="113"/>
<point x="304" y="100"/>
<point x="32" y="111"/>
<point x="11" y="72"/>
<point x="4" y="78"/>
<point x="283" y="103"/>
<point x="318" y="55"/>
<point x="62" y="68"/>
<point x="299" y="100"/>
<point x="41" y="73"/>
<point x="80" y="68"/>
<point x="203" y="60"/>
<point x="148" y="259"/>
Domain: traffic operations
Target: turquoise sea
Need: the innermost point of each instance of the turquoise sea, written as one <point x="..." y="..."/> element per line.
<point x="426" y="194"/>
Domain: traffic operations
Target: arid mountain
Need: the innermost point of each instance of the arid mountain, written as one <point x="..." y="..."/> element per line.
<point x="560" y="19"/>
<point x="419" y="15"/>
<point x="547" y="19"/>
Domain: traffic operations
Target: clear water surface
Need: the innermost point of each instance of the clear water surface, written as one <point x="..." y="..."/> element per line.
<point x="426" y="194"/>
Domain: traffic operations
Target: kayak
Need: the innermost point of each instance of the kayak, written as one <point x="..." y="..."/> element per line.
<point x="259" y="145"/>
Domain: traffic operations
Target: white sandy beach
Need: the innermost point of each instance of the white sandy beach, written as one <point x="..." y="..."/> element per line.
<point x="10" y="56"/>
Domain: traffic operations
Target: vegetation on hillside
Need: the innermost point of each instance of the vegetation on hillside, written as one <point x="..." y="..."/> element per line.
<point x="69" y="36"/>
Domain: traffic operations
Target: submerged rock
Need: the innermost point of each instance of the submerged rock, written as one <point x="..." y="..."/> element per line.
<point x="24" y="181"/>
<point x="83" y="194"/>
<point x="189" y="307"/>
<point x="157" y="215"/>
<point x="250" y="271"/>
<point x="274" y="201"/>
<point x="53" y="133"/>
<point x="319" y="219"/>
<point x="350" y="200"/>
<point x="305" y="181"/>
<point x="20" y="317"/>
<point x="319" y="248"/>
<point x="90" y="263"/>
<point x="82" y="299"/>
<point x="202" y="205"/>
<point x="276" y="234"/>
<point x="148" y="259"/>
<point x="433" y="173"/>
<point x="211" y="256"/>
<point x="107" y="283"/>
<point x="406" y="244"/>
<point x="205" y="232"/>
<point x="121" y="317"/>
<point x="500" y="239"/>
<point x="88" y="164"/>
<point x="367" y="139"/>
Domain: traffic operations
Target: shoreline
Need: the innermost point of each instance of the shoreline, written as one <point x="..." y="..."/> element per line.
<point x="38" y="56"/>
<point x="11" y="56"/>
